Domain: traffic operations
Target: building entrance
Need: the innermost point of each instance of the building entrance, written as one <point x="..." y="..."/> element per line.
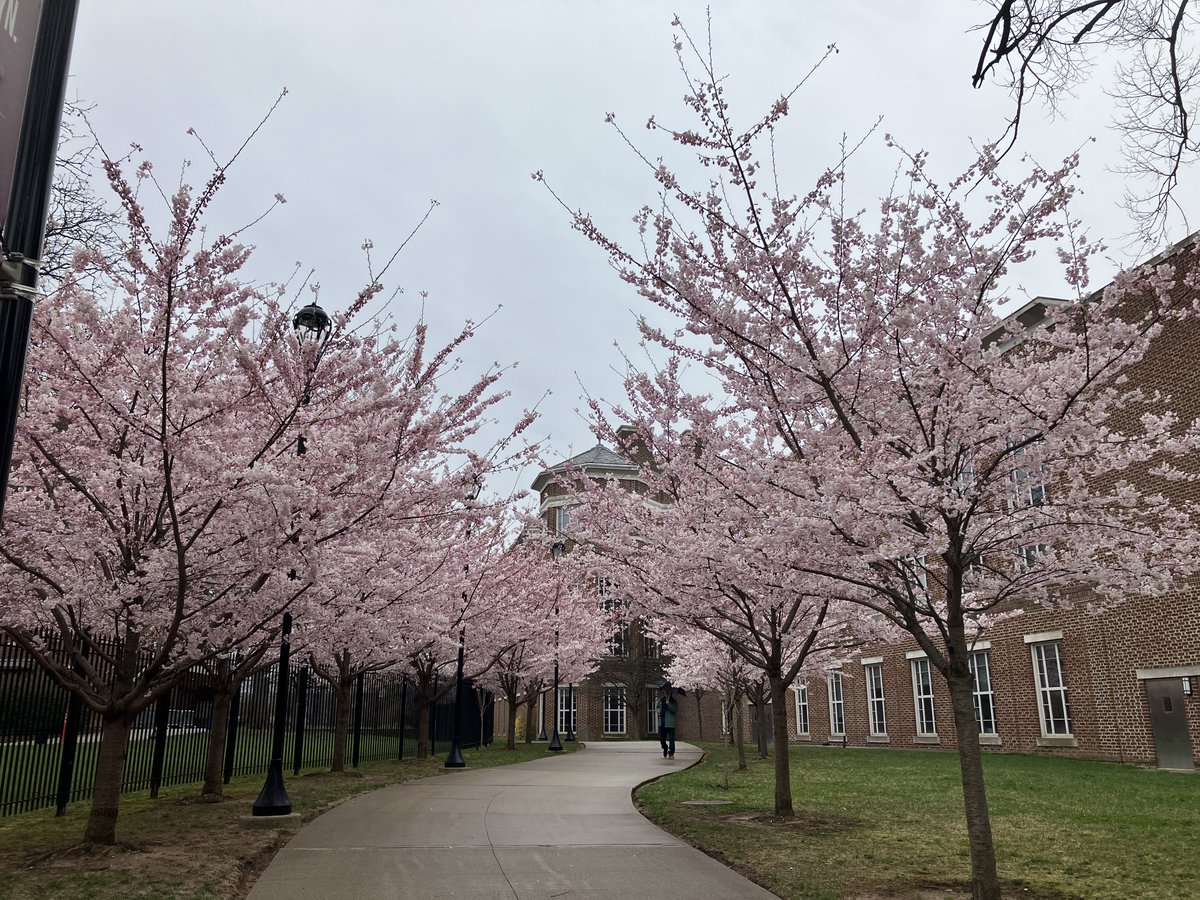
<point x="1168" y="718"/>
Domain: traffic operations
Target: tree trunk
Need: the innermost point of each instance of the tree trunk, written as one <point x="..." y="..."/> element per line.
<point x="699" y="716"/>
<point x="341" y="730"/>
<point x="110" y="773"/>
<point x="985" y="882"/>
<point x="214" y="766"/>
<point x="511" y="742"/>
<point x="530" y="706"/>
<point x="783" y="772"/>
<point x="739" y="733"/>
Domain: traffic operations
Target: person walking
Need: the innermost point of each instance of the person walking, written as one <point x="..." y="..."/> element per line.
<point x="668" y="706"/>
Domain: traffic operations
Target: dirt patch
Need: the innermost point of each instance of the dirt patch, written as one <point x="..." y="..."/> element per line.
<point x="804" y="824"/>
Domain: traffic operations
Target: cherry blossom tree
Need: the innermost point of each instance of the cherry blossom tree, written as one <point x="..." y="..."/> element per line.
<point x="185" y="467"/>
<point x="926" y="458"/>
<point x="712" y="550"/>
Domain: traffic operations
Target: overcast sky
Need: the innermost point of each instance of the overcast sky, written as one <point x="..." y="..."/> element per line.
<point x="391" y="104"/>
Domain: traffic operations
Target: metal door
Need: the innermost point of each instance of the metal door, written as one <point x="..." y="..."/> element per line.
<point x="1168" y="717"/>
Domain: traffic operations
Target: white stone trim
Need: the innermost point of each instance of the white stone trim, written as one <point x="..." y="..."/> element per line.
<point x="980" y="645"/>
<point x="871" y="660"/>
<point x="916" y="654"/>
<point x="1044" y="637"/>
<point x="1169" y="672"/>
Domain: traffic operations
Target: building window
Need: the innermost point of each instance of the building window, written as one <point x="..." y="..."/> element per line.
<point x="915" y="574"/>
<point x="618" y="644"/>
<point x="652" y="711"/>
<point x="651" y="649"/>
<point x="614" y="709"/>
<point x="1054" y="710"/>
<point x="562" y="519"/>
<point x="1028" y="482"/>
<point x="801" y="691"/>
<point x="982" y="696"/>
<point x="876" y="710"/>
<point x="923" y="698"/>
<point x="567" y="699"/>
<point x="1029" y="555"/>
<point x="837" y="709"/>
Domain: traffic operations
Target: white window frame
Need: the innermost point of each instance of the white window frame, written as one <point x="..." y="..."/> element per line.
<point x="837" y="704"/>
<point x="923" y="702"/>
<point x="1028" y="486"/>
<point x="1029" y="554"/>
<point x="562" y="518"/>
<point x="876" y="704"/>
<point x="982" y="692"/>
<point x="563" y="694"/>
<point x="652" y="712"/>
<point x="614" y="714"/>
<point x="802" y="721"/>
<point x="914" y="569"/>
<point x="1045" y="664"/>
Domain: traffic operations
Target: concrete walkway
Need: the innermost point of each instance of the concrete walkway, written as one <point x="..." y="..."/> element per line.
<point x="562" y="827"/>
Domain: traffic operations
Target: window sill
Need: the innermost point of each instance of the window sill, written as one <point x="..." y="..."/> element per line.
<point x="878" y="739"/>
<point x="990" y="740"/>
<point x="836" y="739"/>
<point x="804" y="737"/>
<point x="927" y="739"/>
<point x="1057" y="740"/>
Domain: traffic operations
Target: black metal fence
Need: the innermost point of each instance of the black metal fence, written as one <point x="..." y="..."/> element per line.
<point x="49" y="743"/>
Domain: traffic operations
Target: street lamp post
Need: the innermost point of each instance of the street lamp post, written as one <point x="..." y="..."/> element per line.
<point x="556" y="746"/>
<point x="455" y="759"/>
<point x="274" y="799"/>
<point x="310" y="323"/>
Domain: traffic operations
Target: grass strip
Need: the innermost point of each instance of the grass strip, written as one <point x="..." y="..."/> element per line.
<point x="889" y="823"/>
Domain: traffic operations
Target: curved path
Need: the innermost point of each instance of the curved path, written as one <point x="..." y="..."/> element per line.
<point x="561" y="827"/>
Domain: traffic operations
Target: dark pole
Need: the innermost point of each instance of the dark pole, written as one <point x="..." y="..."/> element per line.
<point x="162" y="712"/>
<point x="555" y="743"/>
<point x="66" y="762"/>
<point x="301" y="709"/>
<point x="358" y="705"/>
<point x="25" y="222"/>
<point x="274" y="799"/>
<point x="235" y="711"/>
<point x="570" y="711"/>
<point x="403" y="713"/>
<point x="556" y="550"/>
<point x="455" y="759"/>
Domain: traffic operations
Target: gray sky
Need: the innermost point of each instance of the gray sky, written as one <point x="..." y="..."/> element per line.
<point x="391" y="104"/>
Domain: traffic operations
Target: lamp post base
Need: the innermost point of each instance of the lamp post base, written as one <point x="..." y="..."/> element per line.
<point x="455" y="759"/>
<point x="555" y="744"/>
<point x="274" y="799"/>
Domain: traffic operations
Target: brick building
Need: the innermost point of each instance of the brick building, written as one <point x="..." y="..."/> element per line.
<point x="1120" y="684"/>
<point x="617" y="701"/>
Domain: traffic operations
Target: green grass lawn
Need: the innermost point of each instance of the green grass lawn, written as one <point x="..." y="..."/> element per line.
<point x="889" y="823"/>
<point x="176" y="846"/>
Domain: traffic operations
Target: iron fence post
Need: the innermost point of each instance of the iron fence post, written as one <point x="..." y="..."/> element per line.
<point x="162" y="713"/>
<point x="403" y="713"/>
<point x="358" y="705"/>
<point x="231" y="731"/>
<point x="301" y="709"/>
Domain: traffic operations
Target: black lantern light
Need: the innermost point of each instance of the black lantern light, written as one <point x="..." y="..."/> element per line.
<point x="312" y="323"/>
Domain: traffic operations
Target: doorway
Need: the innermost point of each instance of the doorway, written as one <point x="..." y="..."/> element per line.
<point x="1168" y="718"/>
